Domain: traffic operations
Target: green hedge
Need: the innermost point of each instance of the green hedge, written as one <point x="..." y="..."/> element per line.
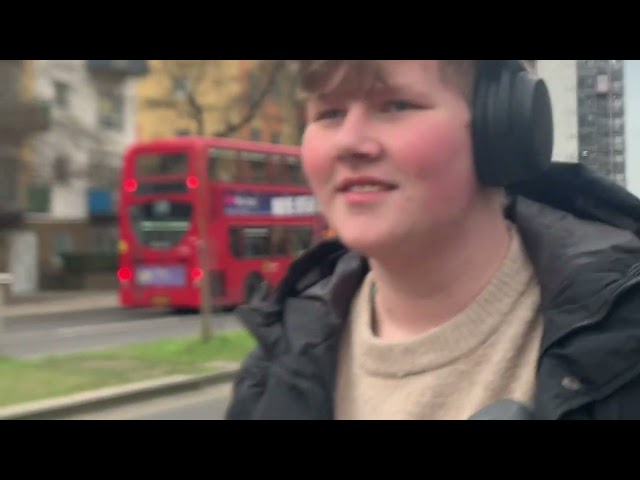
<point x="90" y="262"/>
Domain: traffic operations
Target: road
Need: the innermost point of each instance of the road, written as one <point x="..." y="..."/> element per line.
<point x="62" y="333"/>
<point x="207" y="403"/>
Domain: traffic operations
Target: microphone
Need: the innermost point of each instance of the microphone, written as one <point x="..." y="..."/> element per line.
<point x="504" y="410"/>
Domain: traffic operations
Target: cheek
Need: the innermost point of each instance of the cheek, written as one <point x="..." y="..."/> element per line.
<point x="316" y="159"/>
<point x="439" y="157"/>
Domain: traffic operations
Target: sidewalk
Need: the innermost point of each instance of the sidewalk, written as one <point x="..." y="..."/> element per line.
<point x="58" y="302"/>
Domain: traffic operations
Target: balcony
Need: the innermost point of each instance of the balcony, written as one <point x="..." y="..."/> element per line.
<point x="24" y="118"/>
<point x="134" y="68"/>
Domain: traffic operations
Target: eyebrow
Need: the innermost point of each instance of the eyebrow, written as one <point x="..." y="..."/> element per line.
<point x="398" y="89"/>
<point x="404" y="89"/>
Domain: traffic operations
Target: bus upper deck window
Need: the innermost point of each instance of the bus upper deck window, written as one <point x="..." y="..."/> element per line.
<point x="151" y="164"/>
<point x="295" y="170"/>
<point x="257" y="163"/>
<point x="224" y="165"/>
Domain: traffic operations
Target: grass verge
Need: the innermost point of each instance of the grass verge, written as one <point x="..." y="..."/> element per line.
<point x="30" y="380"/>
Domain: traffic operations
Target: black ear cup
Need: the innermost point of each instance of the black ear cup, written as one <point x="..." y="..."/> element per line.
<point x="513" y="124"/>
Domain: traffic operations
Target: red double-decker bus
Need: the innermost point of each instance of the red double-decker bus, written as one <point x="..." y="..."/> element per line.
<point x="246" y="205"/>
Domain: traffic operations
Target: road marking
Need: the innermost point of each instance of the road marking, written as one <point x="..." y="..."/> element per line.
<point x="63" y="340"/>
<point x="117" y="327"/>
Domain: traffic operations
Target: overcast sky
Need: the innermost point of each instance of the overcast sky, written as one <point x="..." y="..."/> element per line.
<point x="632" y="124"/>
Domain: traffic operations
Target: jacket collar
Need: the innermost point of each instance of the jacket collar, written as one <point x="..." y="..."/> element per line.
<point x="580" y="265"/>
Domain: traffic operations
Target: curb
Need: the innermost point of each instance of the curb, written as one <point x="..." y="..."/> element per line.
<point x="59" y="408"/>
<point x="38" y="309"/>
<point x="38" y="315"/>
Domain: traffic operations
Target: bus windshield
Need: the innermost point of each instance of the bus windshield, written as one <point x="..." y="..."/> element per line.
<point x="152" y="164"/>
<point x="161" y="224"/>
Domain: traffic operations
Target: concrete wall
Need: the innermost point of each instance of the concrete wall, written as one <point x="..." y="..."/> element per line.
<point x="561" y="78"/>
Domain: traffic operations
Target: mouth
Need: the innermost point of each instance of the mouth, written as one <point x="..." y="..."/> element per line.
<point x="365" y="191"/>
<point x="365" y="185"/>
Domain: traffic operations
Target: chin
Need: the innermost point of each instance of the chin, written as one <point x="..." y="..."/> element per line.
<point x="367" y="243"/>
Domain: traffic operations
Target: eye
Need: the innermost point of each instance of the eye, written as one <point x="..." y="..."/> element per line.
<point x="398" y="106"/>
<point x="329" y="114"/>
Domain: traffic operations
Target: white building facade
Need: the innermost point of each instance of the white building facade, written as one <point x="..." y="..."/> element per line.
<point x="561" y="76"/>
<point x="75" y="163"/>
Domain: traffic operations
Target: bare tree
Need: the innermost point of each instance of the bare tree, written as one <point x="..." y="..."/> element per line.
<point x="288" y="82"/>
<point x="268" y="75"/>
<point x="192" y="81"/>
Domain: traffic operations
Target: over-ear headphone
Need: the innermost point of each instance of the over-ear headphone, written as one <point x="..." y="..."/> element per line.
<point x="512" y="123"/>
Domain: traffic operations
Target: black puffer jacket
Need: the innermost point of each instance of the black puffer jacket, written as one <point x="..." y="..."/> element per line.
<point x="581" y="234"/>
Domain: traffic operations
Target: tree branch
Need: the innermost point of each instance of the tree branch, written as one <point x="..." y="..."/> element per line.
<point x="193" y="106"/>
<point x="197" y="111"/>
<point x="255" y="104"/>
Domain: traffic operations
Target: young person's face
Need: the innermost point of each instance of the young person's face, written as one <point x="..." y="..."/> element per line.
<point x="394" y="163"/>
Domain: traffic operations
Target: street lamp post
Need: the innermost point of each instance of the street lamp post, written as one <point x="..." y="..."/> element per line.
<point x="6" y="280"/>
<point x="183" y="93"/>
<point x="206" y="306"/>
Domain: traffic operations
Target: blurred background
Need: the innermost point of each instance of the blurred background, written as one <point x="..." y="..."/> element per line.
<point x="64" y="127"/>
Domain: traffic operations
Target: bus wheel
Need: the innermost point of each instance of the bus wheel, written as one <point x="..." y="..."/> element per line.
<point x="251" y="285"/>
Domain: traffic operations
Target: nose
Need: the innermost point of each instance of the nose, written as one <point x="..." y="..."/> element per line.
<point x="355" y="139"/>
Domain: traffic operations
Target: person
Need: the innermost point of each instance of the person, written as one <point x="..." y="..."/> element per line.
<point x="469" y="271"/>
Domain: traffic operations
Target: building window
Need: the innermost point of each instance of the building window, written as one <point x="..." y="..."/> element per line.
<point x="110" y="110"/>
<point x="9" y="179"/>
<point x="38" y="198"/>
<point x="62" y="244"/>
<point x="61" y="170"/>
<point x="276" y="138"/>
<point x="256" y="134"/>
<point x="181" y="87"/>
<point x="619" y="168"/>
<point x="61" y="94"/>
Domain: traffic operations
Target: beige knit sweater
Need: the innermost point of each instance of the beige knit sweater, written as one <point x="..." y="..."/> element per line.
<point x="487" y="353"/>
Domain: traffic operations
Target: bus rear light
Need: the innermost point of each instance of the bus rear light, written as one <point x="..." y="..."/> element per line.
<point x="130" y="185"/>
<point x="125" y="274"/>
<point x="196" y="274"/>
<point x="192" y="182"/>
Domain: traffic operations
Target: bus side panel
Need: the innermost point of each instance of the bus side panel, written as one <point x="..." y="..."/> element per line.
<point x="236" y="270"/>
